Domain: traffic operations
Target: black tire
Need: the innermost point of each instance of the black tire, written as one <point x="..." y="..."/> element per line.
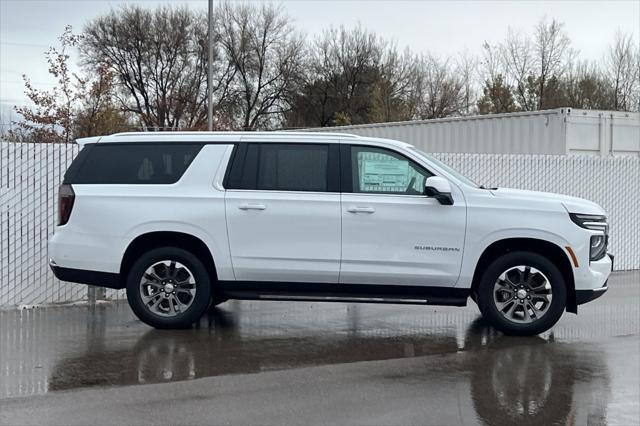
<point x="201" y="299"/>
<point x="489" y="309"/>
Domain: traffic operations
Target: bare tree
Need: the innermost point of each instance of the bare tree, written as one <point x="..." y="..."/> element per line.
<point x="441" y="89"/>
<point x="534" y="66"/>
<point x="552" y="55"/>
<point x="465" y="67"/>
<point x="317" y="100"/>
<point x="350" y="75"/>
<point x="497" y="95"/>
<point x="224" y="74"/>
<point x="517" y="56"/>
<point x="623" y="69"/>
<point x="491" y="64"/>
<point x="354" y="59"/>
<point x="585" y="86"/>
<point x="160" y="59"/>
<point x="395" y="91"/>
<point x="347" y="62"/>
<point x="264" y="49"/>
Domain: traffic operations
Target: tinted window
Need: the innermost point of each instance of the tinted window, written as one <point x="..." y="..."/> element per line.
<point x="281" y="167"/>
<point x="140" y="163"/>
<point x="377" y="170"/>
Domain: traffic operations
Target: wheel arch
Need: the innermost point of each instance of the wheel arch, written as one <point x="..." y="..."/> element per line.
<point x="150" y="240"/>
<point x="551" y="251"/>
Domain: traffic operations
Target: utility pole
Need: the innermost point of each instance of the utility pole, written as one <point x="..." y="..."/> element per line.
<point x="210" y="69"/>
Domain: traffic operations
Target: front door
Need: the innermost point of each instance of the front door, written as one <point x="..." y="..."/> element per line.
<point x="283" y="213"/>
<point x="391" y="233"/>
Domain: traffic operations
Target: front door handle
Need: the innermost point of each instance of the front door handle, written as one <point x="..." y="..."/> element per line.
<point x="249" y="206"/>
<point x="355" y="209"/>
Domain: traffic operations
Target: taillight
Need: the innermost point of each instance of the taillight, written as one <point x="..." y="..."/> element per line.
<point x="66" y="197"/>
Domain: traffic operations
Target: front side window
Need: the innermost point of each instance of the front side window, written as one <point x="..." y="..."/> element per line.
<point x="282" y="167"/>
<point x="381" y="171"/>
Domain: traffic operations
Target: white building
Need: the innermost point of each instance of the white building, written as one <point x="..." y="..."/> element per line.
<point x="557" y="131"/>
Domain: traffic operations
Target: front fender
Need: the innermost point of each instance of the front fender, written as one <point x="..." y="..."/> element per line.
<point x="477" y="247"/>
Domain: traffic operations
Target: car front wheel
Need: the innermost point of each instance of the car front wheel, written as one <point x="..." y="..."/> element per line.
<point x="522" y="293"/>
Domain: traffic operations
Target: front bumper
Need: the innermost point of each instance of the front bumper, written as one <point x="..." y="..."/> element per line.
<point x="584" y="296"/>
<point x="592" y="275"/>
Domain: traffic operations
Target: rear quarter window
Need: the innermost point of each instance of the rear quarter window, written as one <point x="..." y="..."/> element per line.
<point x="139" y="163"/>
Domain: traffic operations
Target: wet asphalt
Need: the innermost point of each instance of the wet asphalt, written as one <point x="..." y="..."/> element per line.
<point x="322" y="363"/>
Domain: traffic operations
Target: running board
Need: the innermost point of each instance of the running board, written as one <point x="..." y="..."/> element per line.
<point x="344" y="293"/>
<point x="319" y="298"/>
<point x="346" y="299"/>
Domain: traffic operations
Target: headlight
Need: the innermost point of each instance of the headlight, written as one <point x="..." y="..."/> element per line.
<point x="590" y="221"/>
<point x="598" y="246"/>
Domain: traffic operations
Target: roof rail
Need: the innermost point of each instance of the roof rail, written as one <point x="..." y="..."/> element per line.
<point x="84" y="141"/>
<point x="239" y="133"/>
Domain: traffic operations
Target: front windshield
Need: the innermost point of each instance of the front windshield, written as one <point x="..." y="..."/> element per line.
<point x="445" y="167"/>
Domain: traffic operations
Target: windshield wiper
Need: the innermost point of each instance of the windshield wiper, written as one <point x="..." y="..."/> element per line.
<point x="489" y="189"/>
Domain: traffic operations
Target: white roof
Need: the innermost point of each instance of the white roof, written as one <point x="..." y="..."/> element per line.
<point x="231" y="137"/>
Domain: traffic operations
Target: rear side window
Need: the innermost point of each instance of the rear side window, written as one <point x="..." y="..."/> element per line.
<point x="140" y="163"/>
<point x="281" y="167"/>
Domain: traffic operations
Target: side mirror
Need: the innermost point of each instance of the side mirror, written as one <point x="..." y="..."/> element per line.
<point x="440" y="189"/>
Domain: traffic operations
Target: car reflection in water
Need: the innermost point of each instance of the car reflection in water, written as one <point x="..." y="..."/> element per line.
<point x="510" y="380"/>
<point x="531" y="380"/>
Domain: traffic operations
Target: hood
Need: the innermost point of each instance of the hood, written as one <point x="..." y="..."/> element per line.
<point x="571" y="204"/>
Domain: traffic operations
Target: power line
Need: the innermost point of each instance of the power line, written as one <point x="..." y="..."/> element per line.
<point x="10" y="43"/>
<point x="33" y="82"/>
<point x="8" y="71"/>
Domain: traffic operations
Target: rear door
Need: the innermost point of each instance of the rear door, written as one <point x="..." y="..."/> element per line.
<point x="283" y="212"/>
<point x="392" y="234"/>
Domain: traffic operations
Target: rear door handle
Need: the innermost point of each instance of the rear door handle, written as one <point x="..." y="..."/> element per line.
<point x="354" y="209"/>
<point x="248" y="206"/>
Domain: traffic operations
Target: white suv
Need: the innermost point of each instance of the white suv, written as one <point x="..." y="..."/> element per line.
<point x="186" y="220"/>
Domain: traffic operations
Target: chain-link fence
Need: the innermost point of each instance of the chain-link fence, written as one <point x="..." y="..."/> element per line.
<point x="29" y="179"/>
<point x="612" y="182"/>
<point x="30" y="175"/>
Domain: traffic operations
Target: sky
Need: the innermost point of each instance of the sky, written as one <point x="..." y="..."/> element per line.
<point x="28" y="27"/>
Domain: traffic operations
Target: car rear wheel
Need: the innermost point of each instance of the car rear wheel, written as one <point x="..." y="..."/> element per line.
<point x="168" y="287"/>
<point x="522" y="293"/>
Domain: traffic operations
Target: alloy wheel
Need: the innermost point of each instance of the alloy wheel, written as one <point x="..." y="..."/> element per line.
<point x="167" y="288"/>
<point x="522" y="294"/>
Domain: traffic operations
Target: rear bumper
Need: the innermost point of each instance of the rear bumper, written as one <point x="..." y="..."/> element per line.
<point x="81" y="276"/>
<point x="77" y="250"/>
